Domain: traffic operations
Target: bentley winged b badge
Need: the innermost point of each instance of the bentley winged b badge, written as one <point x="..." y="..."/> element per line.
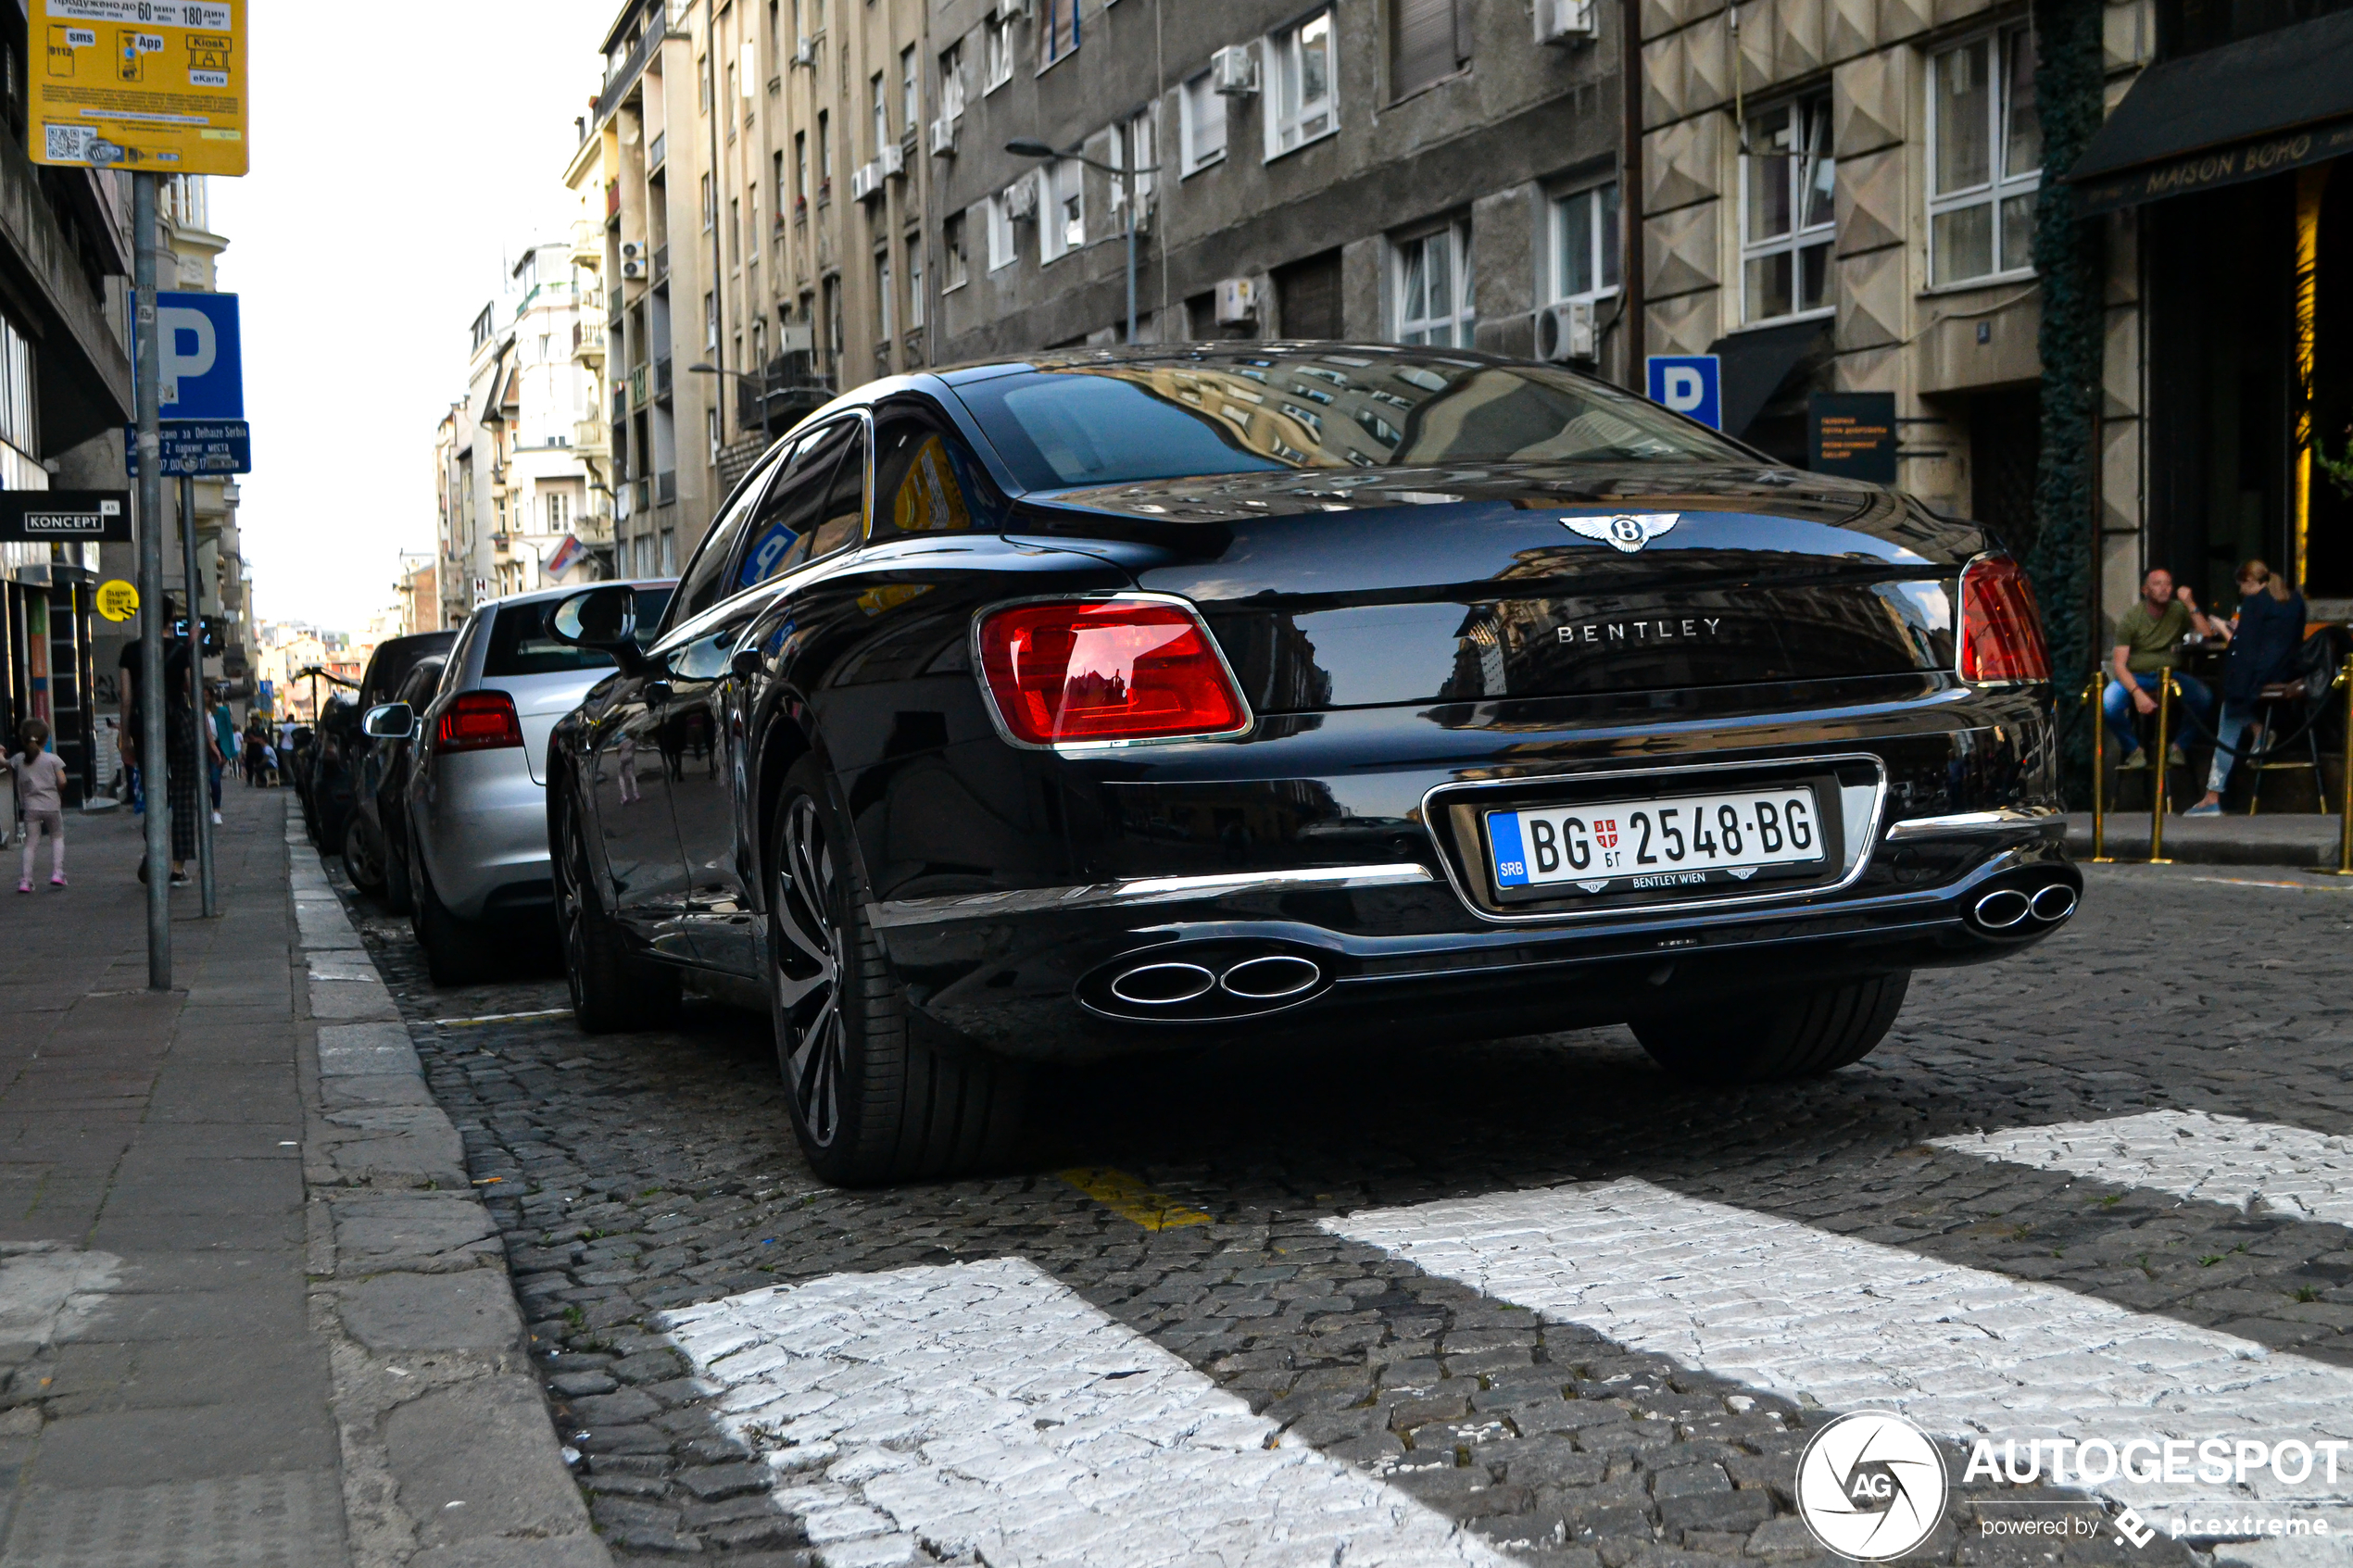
<point x="1627" y="531"/>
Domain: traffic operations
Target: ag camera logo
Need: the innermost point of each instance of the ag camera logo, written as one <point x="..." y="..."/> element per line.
<point x="1872" y="1486"/>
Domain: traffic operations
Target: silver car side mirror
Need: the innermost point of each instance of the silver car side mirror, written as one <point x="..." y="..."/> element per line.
<point x="392" y="720"/>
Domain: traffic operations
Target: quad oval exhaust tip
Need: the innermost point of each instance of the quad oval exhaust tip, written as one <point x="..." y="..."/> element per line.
<point x="1163" y="985"/>
<point x="1272" y="978"/>
<point x="2053" y="903"/>
<point x="1206" y="983"/>
<point x="2002" y="909"/>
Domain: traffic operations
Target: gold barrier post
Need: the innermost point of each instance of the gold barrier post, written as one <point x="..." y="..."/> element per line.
<point x="2096" y="695"/>
<point x="2156" y="805"/>
<point x="2344" y="866"/>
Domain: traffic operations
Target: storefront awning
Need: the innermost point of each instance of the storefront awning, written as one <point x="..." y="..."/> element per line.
<point x="1754" y="364"/>
<point x="2240" y="112"/>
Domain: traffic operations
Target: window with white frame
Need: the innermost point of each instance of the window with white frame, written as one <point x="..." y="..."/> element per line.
<point x="1135" y="146"/>
<point x="997" y="40"/>
<point x="951" y="81"/>
<point x="1585" y="244"/>
<point x="1001" y="231"/>
<point x="1062" y="208"/>
<point x="1984" y="157"/>
<point x="1433" y="288"/>
<point x="1057" y="31"/>
<point x="1787" y="176"/>
<point x="910" y="108"/>
<point x="956" y="260"/>
<point x="1300" y="71"/>
<point x="884" y="302"/>
<point x="1202" y="110"/>
<point x="879" y="106"/>
<point x="915" y="282"/>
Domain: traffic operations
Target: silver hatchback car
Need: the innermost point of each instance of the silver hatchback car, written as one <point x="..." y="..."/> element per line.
<point x="477" y="807"/>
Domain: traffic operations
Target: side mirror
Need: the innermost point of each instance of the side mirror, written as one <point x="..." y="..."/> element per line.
<point x="602" y="618"/>
<point x="393" y="721"/>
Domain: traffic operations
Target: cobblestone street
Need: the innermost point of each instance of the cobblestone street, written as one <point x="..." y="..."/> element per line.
<point x="1402" y="1303"/>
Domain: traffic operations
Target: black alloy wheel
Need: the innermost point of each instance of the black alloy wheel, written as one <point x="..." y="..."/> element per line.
<point x="611" y="987"/>
<point x="359" y="859"/>
<point x="877" y="1092"/>
<point x="399" y="896"/>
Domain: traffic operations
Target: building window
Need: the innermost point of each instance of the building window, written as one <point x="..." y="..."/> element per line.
<point x="1786" y="178"/>
<point x="996" y="39"/>
<point x="1984" y="157"/>
<point x="883" y="298"/>
<point x="710" y="205"/>
<point x="951" y="81"/>
<point x="711" y="429"/>
<point x="915" y="282"/>
<point x="711" y="321"/>
<point x="1062" y="216"/>
<point x="881" y="113"/>
<point x="1134" y="145"/>
<point x="1434" y="288"/>
<point x="1300" y="74"/>
<point x="559" y="512"/>
<point x="1058" y="30"/>
<point x="1430" y="40"/>
<point x="783" y="197"/>
<point x="1203" y="110"/>
<point x="800" y="168"/>
<point x="735" y="229"/>
<point x="703" y="84"/>
<point x="825" y="156"/>
<point x="957" y="261"/>
<point x="911" y="110"/>
<point x="1585" y="244"/>
<point x="669" y="552"/>
<point x="1001" y="231"/>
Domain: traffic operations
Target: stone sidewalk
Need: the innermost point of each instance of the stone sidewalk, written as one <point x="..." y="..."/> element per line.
<point x="250" y="1310"/>
<point x="2303" y="839"/>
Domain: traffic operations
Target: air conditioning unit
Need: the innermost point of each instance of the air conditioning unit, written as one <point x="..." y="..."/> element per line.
<point x="943" y="137"/>
<point x="864" y="181"/>
<point x="1021" y="199"/>
<point x="797" y="339"/>
<point x="634" y="267"/>
<point x="1233" y="71"/>
<point x="805" y="52"/>
<point x="1236" y="302"/>
<point x="1564" y="332"/>
<point x="893" y="160"/>
<point x="1563" y="21"/>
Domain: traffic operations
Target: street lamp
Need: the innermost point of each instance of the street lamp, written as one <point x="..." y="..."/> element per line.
<point x="1029" y="146"/>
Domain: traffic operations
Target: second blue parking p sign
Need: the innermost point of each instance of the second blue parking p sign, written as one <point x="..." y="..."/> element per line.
<point x="1688" y="384"/>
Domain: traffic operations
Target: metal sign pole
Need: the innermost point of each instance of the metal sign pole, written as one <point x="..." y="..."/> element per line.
<point x="2098" y="699"/>
<point x="2157" y="806"/>
<point x="151" y="692"/>
<point x="196" y="694"/>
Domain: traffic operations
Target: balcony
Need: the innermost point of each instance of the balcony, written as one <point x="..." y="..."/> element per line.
<point x="637" y="387"/>
<point x="657" y="153"/>
<point x="620" y="405"/>
<point x="613" y="200"/>
<point x="661" y="265"/>
<point x="621" y="78"/>
<point x="665" y="487"/>
<point x="661" y="379"/>
<point x="591" y="438"/>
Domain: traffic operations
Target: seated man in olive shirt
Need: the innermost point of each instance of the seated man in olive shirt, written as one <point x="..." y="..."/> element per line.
<point x="2148" y="642"/>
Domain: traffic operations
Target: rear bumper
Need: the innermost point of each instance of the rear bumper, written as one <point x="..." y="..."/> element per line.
<point x="481" y="825"/>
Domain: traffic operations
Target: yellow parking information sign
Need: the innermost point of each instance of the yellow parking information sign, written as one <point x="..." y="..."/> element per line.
<point x="153" y="85"/>
<point x="118" y="600"/>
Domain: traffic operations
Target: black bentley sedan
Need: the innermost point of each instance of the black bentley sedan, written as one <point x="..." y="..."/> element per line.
<point x="1120" y="700"/>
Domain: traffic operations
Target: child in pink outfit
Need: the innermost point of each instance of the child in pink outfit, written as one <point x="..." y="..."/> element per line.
<point x="39" y="785"/>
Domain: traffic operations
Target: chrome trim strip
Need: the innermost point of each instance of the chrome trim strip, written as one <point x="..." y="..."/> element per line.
<point x="1139" y="890"/>
<point x="2006" y="818"/>
<point x="1859" y="844"/>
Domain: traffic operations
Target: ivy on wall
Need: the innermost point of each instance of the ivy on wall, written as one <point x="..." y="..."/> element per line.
<point x="2067" y="81"/>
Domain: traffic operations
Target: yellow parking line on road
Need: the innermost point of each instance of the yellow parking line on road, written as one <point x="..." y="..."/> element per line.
<point x="1131" y="1199"/>
<point x="495" y="1018"/>
<point x="2251" y="881"/>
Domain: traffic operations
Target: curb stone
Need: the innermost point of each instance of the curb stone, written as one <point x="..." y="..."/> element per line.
<point x="450" y="1458"/>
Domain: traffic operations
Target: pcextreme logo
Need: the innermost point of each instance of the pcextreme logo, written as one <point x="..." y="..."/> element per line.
<point x="1872" y="1486"/>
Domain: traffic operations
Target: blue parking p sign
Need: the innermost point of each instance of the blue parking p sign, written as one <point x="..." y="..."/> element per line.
<point x="1689" y="383"/>
<point x="200" y="358"/>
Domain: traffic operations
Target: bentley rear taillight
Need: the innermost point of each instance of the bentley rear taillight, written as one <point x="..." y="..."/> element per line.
<point x="2001" y="630"/>
<point x="1099" y="671"/>
<point x="478" y="722"/>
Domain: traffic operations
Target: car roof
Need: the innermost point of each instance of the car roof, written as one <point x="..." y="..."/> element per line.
<point x="541" y="596"/>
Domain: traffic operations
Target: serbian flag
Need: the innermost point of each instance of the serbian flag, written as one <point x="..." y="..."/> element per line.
<point x="566" y="556"/>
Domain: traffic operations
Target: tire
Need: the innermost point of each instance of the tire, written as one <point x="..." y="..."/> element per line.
<point x="399" y="895"/>
<point x="359" y="860"/>
<point x="612" y="988"/>
<point x="875" y="1097"/>
<point x="456" y="951"/>
<point x="1801" y="1034"/>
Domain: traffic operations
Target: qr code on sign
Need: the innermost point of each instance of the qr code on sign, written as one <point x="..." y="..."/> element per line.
<point x="68" y="142"/>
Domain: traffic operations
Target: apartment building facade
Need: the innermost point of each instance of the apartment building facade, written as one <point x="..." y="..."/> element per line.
<point x="1415" y="171"/>
<point x="517" y="505"/>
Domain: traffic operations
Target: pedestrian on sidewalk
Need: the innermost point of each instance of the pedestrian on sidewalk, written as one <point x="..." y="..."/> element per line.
<point x="40" y="794"/>
<point x="224" y="745"/>
<point x="179" y="743"/>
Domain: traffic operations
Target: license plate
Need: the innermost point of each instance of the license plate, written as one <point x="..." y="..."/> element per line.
<point x="1687" y="842"/>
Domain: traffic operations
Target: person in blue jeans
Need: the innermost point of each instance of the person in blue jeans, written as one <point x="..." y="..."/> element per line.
<point x="2266" y="633"/>
<point x="2149" y="643"/>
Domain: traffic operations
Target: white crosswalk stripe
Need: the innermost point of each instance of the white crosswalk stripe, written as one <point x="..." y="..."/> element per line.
<point x="2224" y="1160"/>
<point x="984" y="1407"/>
<point x="1848" y="1324"/>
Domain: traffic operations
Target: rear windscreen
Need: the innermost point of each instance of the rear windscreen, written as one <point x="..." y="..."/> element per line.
<point x="522" y="645"/>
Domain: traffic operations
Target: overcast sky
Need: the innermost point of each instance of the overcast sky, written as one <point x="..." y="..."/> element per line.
<point x="398" y="154"/>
